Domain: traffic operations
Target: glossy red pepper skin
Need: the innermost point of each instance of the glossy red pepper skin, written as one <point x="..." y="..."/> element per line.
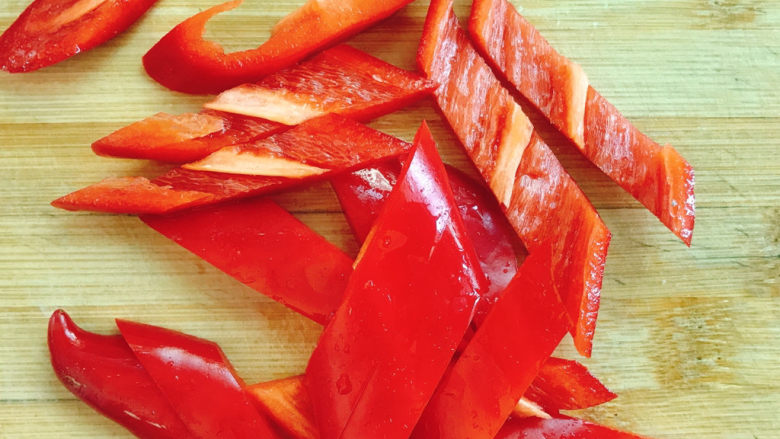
<point x="330" y="143"/>
<point x="339" y="80"/>
<point x="541" y="200"/>
<point x="263" y="246"/>
<point x="102" y="371"/>
<point x="50" y="31"/>
<point x="183" y="61"/>
<point x="362" y="194"/>
<point x="567" y="385"/>
<point x="407" y="306"/>
<point x="656" y="176"/>
<point x="482" y="387"/>
<point x="198" y="381"/>
<point x="559" y="428"/>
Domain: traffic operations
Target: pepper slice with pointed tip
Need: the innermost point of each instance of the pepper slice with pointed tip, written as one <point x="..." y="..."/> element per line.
<point x="183" y="61"/>
<point x="559" y="428"/>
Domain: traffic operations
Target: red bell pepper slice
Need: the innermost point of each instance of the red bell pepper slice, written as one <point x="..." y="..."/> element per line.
<point x="408" y="303"/>
<point x="567" y="385"/>
<point x="313" y="150"/>
<point x="198" y="381"/>
<point x="362" y="195"/>
<point x="656" y="176"/>
<point x="183" y="61"/>
<point x="541" y="200"/>
<point x="262" y="245"/>
<point x="49" y="31"/>
<point x="559" y="428"/>
<point x="482" y="387"/>
<point x="102" y="371"/>
<point x="287" y="402"/>
<point x="340" y="80"/>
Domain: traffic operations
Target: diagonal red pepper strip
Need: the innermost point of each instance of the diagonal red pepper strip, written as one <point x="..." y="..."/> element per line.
<point x="658" y="176"/>
<point x="567" y="385"/>
<point x="328" y="144"/>
<point x="50" y="31"/>
<point x="482" y="387"/>
<point x="362" y="195"/>
<point x="541" y="200"/>
<point x="263" y="246"/>
<point x="559" y="428"/>
<point x="198" y="381"/>
<point x="407" y="306"/>
<point x="102" y="371"/>
<point x="339" y="80"/>
<point x="183" y="61"/>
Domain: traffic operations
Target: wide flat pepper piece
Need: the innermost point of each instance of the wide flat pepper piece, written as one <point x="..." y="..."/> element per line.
<point x="50" y="31"/>
<point x="407" y="305"/>
<point x="340" y="80"/>
<point x="658" y="176"/>
<point x="541" y="200"/>
<point x="183" y="61"/>
<point x="311" y="151"/>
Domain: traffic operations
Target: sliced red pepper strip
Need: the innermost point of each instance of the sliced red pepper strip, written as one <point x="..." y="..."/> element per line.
<point x="313" y="150"/>
<point x="362" y="195"/>
<point x="340" y="80"/>
<point x="656" y="176"/>
<point x="567" y="385"/>
<point x="287" y="402"/>
<point x="484" y="384"/>
<point x="49" y="31"/>
<point x="559" y="428"/>
<point x="541" y="200"/>
<point x="102" y="371"/>
<point x="183" y="61"/>
<point x="262" y="245"/>
<point x="407" y="306"/>
<point x="198" y="381"/>
<point x="184" y="137"/>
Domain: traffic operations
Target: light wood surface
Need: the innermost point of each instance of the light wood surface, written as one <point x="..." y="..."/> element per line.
<point x="689" y="338"/>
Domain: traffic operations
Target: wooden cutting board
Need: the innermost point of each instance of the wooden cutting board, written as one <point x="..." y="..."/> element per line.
<point x="689" y="338"/>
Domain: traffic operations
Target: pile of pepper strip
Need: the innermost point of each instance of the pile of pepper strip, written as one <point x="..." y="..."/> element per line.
<point x="444" y="324"/>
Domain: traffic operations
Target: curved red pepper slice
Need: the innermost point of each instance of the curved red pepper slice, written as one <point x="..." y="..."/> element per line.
<point x="407" y="306"/>
<point x="310" y="151"/>
<point x="567" y="385"/>
<point x="198" y="382"/>
<point x="362" y="195"/>
<point x="542" y="201"/>
<point x="102" y="371"/>
<point x="262" y="245"/>
<point x="559" y="428"/>
<point x="49" y="31"/>
<point x="340" y="80"/>
<point x="656" y="176"/>
<point x="482" y="387"/>
<point x="183" y="61"/>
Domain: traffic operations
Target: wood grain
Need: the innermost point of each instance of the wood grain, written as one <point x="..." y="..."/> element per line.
<point x="689" y="338"/>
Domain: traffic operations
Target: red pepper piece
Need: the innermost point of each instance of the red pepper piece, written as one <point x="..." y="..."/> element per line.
<point x="198" y="381"/>
<point x="102" y="371"/>
<point x="567" y="385"/>
<point x="49" y="31"/>
<point x="262" y="245"/>
<point x="484" y="384"/>
<point x="183" y="61"/>
<point x="313" y="150"/>
<point x="541" y="200"/>
<point x="559" y="428"/>
<point x="286" y="401"/>
<point x="184" y="137"/>
<point x="407" y="306"/>
<point x="362" y="195"/>
<point x="656" y="176"/>
<point x="340" y="80"/>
